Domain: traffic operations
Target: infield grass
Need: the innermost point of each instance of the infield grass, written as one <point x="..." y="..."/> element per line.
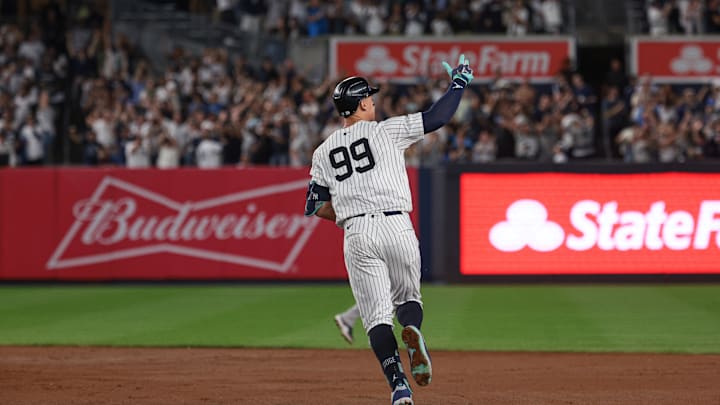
<point x="636" y="318"/>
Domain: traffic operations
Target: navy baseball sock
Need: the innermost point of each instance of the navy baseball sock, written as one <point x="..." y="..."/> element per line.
<point x="385" y="347"/>
<point x="410" y="313"/>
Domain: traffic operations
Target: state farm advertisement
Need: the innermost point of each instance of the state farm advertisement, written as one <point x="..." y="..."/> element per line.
<point x="676" y="59"/>
<point x="409" y="60"/>
<point x="558" y="223"/>
<point x="113" y="224"/>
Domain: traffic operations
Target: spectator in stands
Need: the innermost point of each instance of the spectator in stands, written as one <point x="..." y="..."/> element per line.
<point x="336" y="14"/>
<point x="251" y="13"/>
<point x="24" y="100"/>
<point x="547" y="125"/>
<point x="616" y="77"/>
<point x="102" y="123"/>
<point x="416" y="19"/>
<point x="440" y="26"/>
<point x="712" y="17"/>
<point x="658" y="16"/>
<point x="692" y="131"/>
<point x="584" y="94"/>
<point x="624" y="140"/>
<point x="614" y="113"/>
<point x="396" y="20"/>
<point x="301" y="146"/>
<point x="317" y="23"/>
<point x="263" y="145"/>
<point x="115" y="59"/>
<point x="137" y="153"/>
<point x="32" y="48"/>
<point x="7" y="144"/>
<point x="518" y="19"/>
<point x="527" y="144"/>
<point x="669" y="144"/>
<point x="578" y="138"/>
<point x="459" y="145"/>
<point x="491" y="18"/>
<point x="32" y="142"/>
<point x="711" y="147"/>
<point x="45" y="115"/>
<point x="690" y="16"/>
<point x="231" y="137"/>
<point x="93" y="151"/>
<point x="208" y="153"/>
<point x="485" y="149"/>
<point x="168" y="152"/>
<point x="642" y="146"/>
<point x="551" y="14"/>
<point x="432" y="150"/>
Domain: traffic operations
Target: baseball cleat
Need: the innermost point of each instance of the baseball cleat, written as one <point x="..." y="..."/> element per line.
<point x="402" y="395"/>
<point x="345" y="329"/>
<point x="420" y="365"/>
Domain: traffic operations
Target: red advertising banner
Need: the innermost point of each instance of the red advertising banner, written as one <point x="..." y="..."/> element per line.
<point x="676" y="59"/>
<point x="558" y="223"/>
<point x="411" y="60"/>
<point x="114" y="224"/>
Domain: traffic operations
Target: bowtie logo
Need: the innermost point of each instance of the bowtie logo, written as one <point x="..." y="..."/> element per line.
<point x="121" y="220"/>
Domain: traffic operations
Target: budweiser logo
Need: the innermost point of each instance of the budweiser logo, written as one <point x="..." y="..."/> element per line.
<point x="122" y="220"/>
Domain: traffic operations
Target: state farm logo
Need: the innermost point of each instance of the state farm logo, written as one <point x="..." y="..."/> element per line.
<point x="526" y="225"/>
<point x="122" y="220"/>
<point x="412" y="60"/>
<point x="602" y="225"/>
<point x="485" y="60"/>
<point x="376" y="59"/>
<point x="691" y="60"/>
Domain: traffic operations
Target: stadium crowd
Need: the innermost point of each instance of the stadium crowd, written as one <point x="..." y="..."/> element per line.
<point x="687" y="17"/>
<point x="294" y="18"/>
<point x="214" y="109"/>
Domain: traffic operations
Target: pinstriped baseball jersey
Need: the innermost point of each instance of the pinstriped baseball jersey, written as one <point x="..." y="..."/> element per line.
<point x="363" y="165"/>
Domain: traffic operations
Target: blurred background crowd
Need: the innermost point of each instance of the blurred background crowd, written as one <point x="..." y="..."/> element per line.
<point x="66" y="79"/>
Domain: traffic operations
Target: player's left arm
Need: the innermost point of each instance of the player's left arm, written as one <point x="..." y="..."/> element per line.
<point x="326" y="211"/>
<point x="408" y="129"/>
<point x="442" y="111"/>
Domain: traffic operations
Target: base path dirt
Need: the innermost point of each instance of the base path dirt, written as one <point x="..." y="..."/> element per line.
<point x="98" y="375"/>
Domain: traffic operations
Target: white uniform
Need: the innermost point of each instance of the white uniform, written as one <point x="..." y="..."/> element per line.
<point x="363" y="165"/>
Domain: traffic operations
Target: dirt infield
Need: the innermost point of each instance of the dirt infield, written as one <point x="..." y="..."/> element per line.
<point x="73" y="375"/>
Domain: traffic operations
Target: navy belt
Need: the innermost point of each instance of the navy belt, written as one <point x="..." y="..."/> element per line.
<point x="386" y="213"/>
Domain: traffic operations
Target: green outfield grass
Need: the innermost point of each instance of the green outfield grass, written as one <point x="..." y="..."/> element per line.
<point x="656" y="318"/>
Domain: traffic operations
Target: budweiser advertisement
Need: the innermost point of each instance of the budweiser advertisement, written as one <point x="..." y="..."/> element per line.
<point x="114" y="224"/>
<point x="676" y="59"/>
<point x="556" y="223"/>
<point x="412" y="60"/>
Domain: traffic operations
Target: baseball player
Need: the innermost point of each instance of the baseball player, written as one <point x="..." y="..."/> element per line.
<point x="346" y="320"/>
<point x="359" y="181"/>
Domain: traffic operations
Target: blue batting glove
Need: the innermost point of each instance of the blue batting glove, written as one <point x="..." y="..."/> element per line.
<point x="461" y="75"/>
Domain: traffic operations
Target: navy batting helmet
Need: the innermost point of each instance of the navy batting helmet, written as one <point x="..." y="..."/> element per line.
<point x="349" y="92"/>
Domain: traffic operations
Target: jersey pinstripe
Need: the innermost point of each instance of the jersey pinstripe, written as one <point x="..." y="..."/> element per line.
<point x="363" y="165"/>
